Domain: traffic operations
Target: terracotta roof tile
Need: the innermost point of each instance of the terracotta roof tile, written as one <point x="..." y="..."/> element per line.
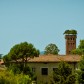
<point x="56" y="58"/>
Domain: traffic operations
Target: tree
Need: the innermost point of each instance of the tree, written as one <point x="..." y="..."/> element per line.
<point x="7" y="77"/>
<point x="51" y="49"/>
<point x="81" y="46"/>
<point x="63" y="74"/>
<point x="76" y="52"/>
<point x="6" y="60"/>
<point x="67" y="32"/>
<point x="80" y="71"/>
<point x="74" y="32"/>
<point x="20" y="52"/>
<point x="80" y="49"/>
<point x="0" y="56"/>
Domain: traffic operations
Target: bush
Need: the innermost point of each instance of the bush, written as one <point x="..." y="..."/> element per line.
<point x="7" y="77"/>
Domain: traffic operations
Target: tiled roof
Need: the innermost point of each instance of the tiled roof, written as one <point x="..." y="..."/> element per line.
<point x="56" y="58"/>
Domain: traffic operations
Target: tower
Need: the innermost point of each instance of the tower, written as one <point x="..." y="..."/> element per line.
<point x="70" y="41"/>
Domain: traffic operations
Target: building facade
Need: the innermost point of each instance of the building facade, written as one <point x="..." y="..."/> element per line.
<point x="43" y="66"/>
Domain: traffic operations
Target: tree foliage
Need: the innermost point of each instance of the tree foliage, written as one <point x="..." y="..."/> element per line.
<point x="70" y="32"/>
<point x="80" y="49"/>
<point x="63" y="74"/>
<point x="51" y="49"/>
<point x="81" y="46"/>
<point x="19" y="54"/>
<point x="21" y="51"/>
<point x="80" y="71"/>
<point x="7" y="77"/>
<point x="0" y="56"/>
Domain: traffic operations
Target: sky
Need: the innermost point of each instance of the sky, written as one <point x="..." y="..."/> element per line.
<point x="39" y="22"/>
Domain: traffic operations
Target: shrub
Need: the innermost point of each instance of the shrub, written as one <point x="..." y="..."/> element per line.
<point x="7" y="77"/>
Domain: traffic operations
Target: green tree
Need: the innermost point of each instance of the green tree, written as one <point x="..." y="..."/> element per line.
<point x="51" y="49"/>
<point x="70" y="32"/>
<point x="7" y="77"/>
<point x="80" y="49"/>
<point x="0" y="56"/>
<point x="67" y="32"/>
<point x="63" y="74"/>
<point x="6" y="60"/>
<point x="81" y="46"/>
<point x="76" y="51"/>
<point x="80" y="71"/>
<point x="22" y="51"/>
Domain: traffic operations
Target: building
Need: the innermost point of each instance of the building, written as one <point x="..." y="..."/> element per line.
<point x="44" y="65"/>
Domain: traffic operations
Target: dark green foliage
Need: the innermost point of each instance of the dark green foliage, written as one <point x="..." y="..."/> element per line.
<point x="28" y="71"/>
<point x="15" y="68"/>
<point x="64" y="74"/>
<point x="76" y="52"/>
<point x="81" y="63"/>
<point x="71" y="79"/>
<point x="0" y="56"/>
<point x="80" y="49"/>
<point x="6" y="60"/>
<point x="21" y="51"/>
<point x="80" y="78"/>
<point x="51" y="49"/>
<point x="70" y="32"/>
<point x="80" y="71"/>
<point x="16" y="59"/>
<point x="81" y="46"/>
<point x="67" y="32"/>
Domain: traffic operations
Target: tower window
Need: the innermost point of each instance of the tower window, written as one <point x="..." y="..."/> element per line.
<point x="68" y="43"/>
<point x="71" y="43"/>
<point x="69" y="51"/>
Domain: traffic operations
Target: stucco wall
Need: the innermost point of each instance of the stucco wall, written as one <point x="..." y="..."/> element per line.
<point x="42" y="79"/>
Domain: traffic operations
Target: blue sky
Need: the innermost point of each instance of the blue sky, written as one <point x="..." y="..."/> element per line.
<point x="39" y="22"/>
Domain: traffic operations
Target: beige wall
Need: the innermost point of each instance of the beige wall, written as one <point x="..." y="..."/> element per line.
<point x="41" y="79"/>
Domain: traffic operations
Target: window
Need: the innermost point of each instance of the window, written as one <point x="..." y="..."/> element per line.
<point x="44" y="71"/>
<point x="55" y="70"/>
<point x="33" y="70"/>
<point x="73" y="38"/>
<point x="68" y="38"/>
<point x="69" y="51"/>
